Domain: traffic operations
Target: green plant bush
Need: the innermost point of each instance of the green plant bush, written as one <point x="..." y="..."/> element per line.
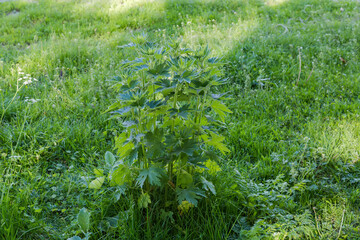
<point x="170" y="107"/>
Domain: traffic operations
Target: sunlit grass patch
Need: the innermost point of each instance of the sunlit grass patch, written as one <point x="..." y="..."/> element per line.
<point x="221" y="37"/>
<point x="336" y="140"/>
<point x="275" y="2"/>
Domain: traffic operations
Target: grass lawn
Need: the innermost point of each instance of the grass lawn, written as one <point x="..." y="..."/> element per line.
<point x="294" y="132"/>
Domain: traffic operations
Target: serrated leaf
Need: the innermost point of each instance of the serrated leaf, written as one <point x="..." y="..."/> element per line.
<point x="159" y="69"/>
<point x="216" y="141"/>
<point x="212" y="166"/>
<point x="131" y="85"/>
<point x="182" y="112"/>
<point x="154" y="143"/>
<point x="132" y="156"/>
<point x="208" y="186"/>
<point x="152" y="174"/>
<point x="155" y="104"/>
<point x="126" y="96"/>
<point x="189" y="194"/>
<point x="84" y="219"/>
<point x="220" y="109"/>
<point x="113" y="106"/>
<point x="144" y="200"/>
<point x="97" y="183"/>
<point x="188" y="146"/>
<point x="123" y="110"/>
<point x="128" y="124"/>
<point x="124" y="148"/>
<point x="109" y="158"/>
<point x="120" y="176"/>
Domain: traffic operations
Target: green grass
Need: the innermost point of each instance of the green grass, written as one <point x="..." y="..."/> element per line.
<point x="294" y="137"/>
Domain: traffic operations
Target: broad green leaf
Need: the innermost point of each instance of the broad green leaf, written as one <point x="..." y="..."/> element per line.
<point x="189" y="194"/>
<point x="220" y="109"/>
<point x="99" y="172"/>
<point x="123" y="146"/>
<point x="182" y="112"/>
<point x="97" y="183"/>
<point x="120" y="176"/>
<point x="113" y="107"/>
<point x="84" y="219"/>
<point x="212" y="166"/>
<point x="187" y="146"/>
<point x="126" y="96"/>
<point x="109" y="158"/>
<point x="144" y="200"/>
<point x="122" y="111"/>
<point x="152" y="174"/>
<point x="216" y="141"/>
<point x="154" y="143"/>
<point x="159" y="69"/>
<point x="156" y="103"/>
<point x="184" y="179"/>
<point x="208" y="186"/>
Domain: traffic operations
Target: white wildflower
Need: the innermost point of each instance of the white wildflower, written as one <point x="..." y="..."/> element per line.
<point x="31" y="100"/>
<point x="27" y="82"/>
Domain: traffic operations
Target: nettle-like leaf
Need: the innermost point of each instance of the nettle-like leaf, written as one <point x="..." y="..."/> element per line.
<point x="154" y="142"/>
<point x="165" y="86"/>
<point x="156" y="103"/>
<point x="186" y="146"/>
<point x="152" y="174"/>
<point x="166" y="99"/>
<point x="122" y="111"/>
<point x="123" y="145"/>
<point x="208" y="186"/>
<point x="216" y="141"/>
<point x="191" y="195"/>
<point x="220" y="109"/>
<point x="160" y="69"/>
<point x="183" y="111"/>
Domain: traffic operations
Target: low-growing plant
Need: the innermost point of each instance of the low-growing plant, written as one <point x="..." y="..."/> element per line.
<point x="170" y="107"/>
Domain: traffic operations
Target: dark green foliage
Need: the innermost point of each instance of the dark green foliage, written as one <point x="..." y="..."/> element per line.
<point x="166" y="98"/>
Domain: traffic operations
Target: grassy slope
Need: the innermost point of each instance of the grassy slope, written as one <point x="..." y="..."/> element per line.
<point x="304" y="130"/>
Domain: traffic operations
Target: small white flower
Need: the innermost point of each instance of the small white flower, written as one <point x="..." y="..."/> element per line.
<point x="31" y="100"/>
<point x="27" y="82"/>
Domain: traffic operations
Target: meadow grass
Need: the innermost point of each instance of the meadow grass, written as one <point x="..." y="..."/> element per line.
<point x="293" y="171"/>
